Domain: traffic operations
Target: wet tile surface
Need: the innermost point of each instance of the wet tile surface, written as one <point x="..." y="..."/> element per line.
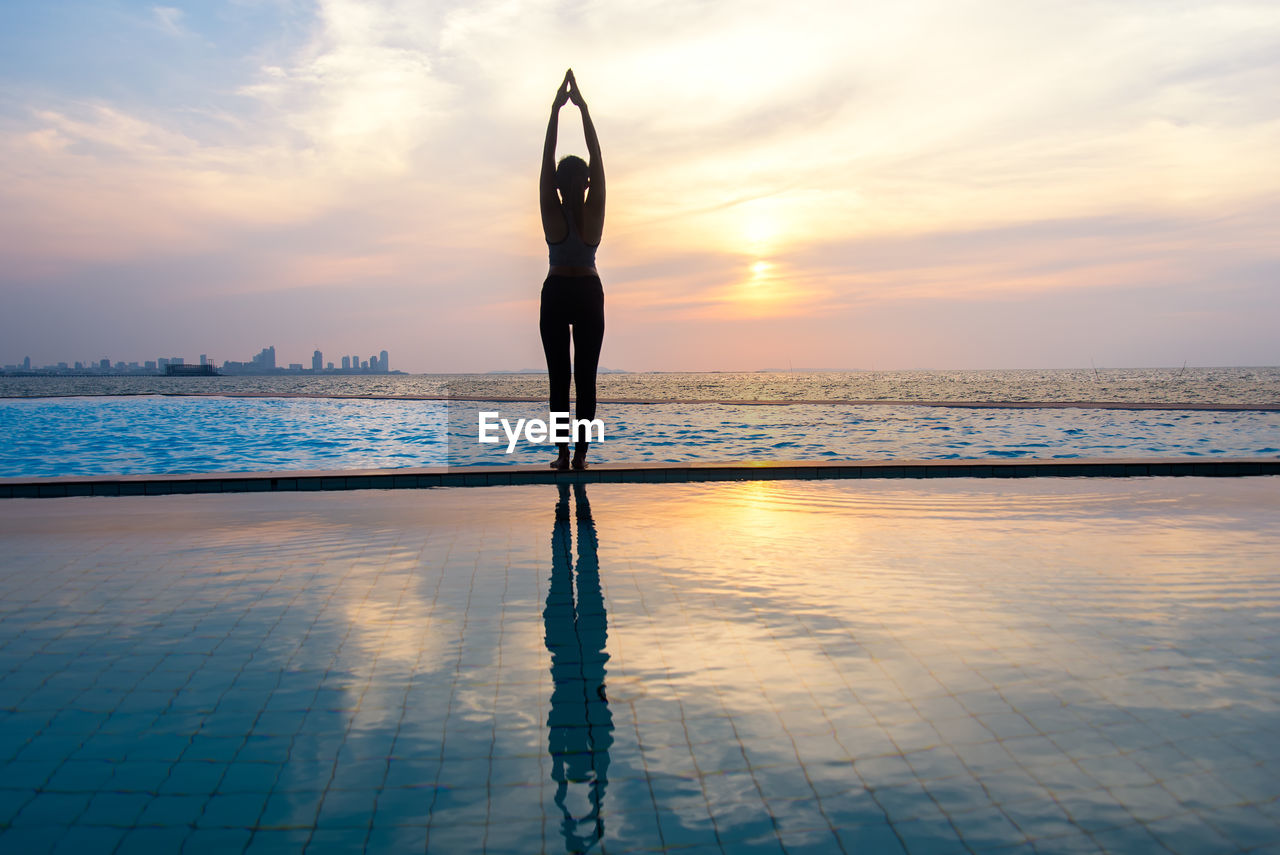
<point x="960" y="666"/>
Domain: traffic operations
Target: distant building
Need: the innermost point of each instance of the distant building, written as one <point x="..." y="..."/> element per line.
<point x="264" y="362"/>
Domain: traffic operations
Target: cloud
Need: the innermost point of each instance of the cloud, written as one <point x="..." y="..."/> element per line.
<point x="362" y="95"/>
<point x="169" y="19"/>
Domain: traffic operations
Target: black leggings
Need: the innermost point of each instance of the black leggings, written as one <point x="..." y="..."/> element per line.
<point x="578" y="302"/>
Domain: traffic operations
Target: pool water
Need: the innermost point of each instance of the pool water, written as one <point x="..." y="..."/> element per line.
<point x="874" y="666"/>
<point x="154" y="434"/>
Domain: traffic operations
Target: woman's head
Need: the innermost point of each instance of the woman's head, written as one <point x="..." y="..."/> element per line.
<point x="572" y="176"/>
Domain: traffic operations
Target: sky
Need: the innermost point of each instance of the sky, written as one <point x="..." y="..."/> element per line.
<point x="818" y="185"/>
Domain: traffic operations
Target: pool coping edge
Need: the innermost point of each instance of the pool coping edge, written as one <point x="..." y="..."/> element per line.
<point x="486" y="476"/>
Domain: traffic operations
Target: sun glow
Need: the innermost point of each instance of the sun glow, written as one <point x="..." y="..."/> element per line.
<point x="760" y="232"/>
<point x="760" y="224"/>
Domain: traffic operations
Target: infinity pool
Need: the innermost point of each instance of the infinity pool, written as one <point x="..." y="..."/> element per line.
<point x="153" y="434"/>
<point x="962" y="666"/>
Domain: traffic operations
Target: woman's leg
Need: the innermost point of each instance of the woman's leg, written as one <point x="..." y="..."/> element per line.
<point x="553" y="324"/>
<point x="588" y="335"/>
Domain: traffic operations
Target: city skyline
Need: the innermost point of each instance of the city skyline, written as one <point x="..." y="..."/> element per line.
<point x="923" y="185"/>
<point x="264" y="361"/>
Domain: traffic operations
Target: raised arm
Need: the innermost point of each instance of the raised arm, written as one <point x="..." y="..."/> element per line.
<point x="553" y="224"/>
<point x="595" y="165"/>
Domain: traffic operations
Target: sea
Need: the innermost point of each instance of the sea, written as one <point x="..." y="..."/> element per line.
<point x="105" y="425"/>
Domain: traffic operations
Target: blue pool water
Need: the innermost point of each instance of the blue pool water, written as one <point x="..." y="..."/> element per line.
<point x="1048" y="666"/>
<point x="154" y="434"/>
<point x="105" y="435"/>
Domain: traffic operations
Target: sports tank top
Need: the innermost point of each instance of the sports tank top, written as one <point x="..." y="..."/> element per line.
<point x="573" y="251"/>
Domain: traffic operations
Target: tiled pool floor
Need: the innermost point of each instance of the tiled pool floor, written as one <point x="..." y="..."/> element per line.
<point x="874" y="666"/>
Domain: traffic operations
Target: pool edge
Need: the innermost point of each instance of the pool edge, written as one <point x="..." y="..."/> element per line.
<point x="476" y="476"/>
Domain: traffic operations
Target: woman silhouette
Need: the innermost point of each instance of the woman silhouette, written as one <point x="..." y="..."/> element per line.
<point x="572" y="296"/>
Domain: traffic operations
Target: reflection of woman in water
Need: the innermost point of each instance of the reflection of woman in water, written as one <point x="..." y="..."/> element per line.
<point x="572" y="221"/>
<point x="580" y="725"/>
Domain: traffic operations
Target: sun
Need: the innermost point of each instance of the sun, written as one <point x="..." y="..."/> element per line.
<point x="758" y="288"/>
<point x="760" y="225"/>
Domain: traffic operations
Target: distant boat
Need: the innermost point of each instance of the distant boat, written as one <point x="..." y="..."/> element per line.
<point x="184" y="370"/>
